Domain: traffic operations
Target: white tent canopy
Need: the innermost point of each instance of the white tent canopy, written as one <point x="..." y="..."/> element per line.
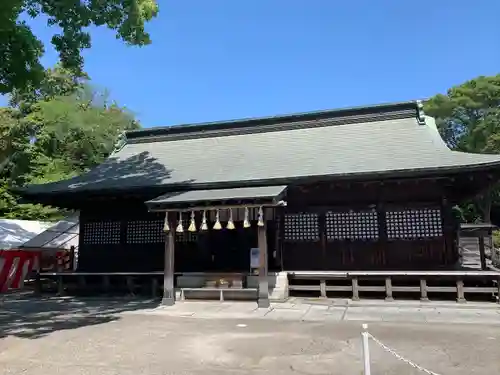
<point x="14" y="233"/>
<point x="62" y="235"/>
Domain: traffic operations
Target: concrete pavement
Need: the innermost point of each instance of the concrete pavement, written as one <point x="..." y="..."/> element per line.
<point x="331" y="311"/>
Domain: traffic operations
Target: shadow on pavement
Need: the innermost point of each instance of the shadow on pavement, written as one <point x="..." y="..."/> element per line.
<point x="33" y="318"/>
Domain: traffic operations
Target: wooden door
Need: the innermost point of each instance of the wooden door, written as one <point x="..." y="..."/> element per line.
<point x="230" y="249"/>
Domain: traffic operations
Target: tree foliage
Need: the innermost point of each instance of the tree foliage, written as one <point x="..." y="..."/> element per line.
<point x="60" y="131"/>
<point x="56" y="82"/>
<point x="21" y="50"/>
<point x="468" y="118"/>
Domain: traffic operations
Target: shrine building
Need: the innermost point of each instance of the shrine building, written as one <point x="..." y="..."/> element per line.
<point x="365" y="188"/>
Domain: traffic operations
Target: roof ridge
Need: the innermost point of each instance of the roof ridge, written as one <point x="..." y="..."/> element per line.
<point x="354" y="112"/>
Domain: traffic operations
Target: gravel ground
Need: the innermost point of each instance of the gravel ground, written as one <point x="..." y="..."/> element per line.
<point x="85" y="337"/>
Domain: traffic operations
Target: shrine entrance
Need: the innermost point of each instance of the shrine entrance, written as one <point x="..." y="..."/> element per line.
<point x="230" y="249"/>
<point x="228" y="239"/>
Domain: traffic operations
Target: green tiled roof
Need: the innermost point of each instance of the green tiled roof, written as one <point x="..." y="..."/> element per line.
<point x="263" y="194"/>
<point x="389" y="139"/>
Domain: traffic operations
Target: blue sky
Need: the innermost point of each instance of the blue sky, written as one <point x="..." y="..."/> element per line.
<point x="223" y="59"/>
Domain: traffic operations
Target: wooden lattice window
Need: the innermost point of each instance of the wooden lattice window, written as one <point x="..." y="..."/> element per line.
<point x="414" y="223"/>
<point x="352" y="225"/>
<point x="101" y="232"/>
<point x="301" y="227"/>
<point x="145" y="231"/>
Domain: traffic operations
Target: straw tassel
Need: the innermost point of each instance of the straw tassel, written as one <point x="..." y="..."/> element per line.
<point x="217" y="225"/>
<point x="192" y="224"/>
<point x="180" y="228"/>
<point x="260" y="223"/>
<point x="246" y="221"/>
<point x="166" y="227"/>
<point x="230" y="223"/>
<point x="204" y="225"/>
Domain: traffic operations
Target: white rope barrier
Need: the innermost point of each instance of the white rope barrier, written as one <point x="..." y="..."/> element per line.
<point x="365" y="336"/>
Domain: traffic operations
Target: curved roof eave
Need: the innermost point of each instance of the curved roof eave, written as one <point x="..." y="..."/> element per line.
<point x="31" y="192"/>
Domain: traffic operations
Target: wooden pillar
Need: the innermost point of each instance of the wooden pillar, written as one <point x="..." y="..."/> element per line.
<point x="460" y="291"/>
<point x="382" y="236"/>
<point x="498" y="290"/>
<point x="106" y="283"/>
<point x="281" y="235"/>
<point x="60" y="285"/>
<point x="38" y="284"/>
<point x="482" y="251"/>
<point x="168" y="273"/>
<point x="451" y="238"/>
<point x="322" y="288"/>
<point x="263" y="293"/>
<point x="355" y="289"/>
<point x="72" y="258"/>
<point x="82" y="282"/>
<point x="154" y="287"/>
<point x="388" y="289"/>
<point x="423" y="291"/>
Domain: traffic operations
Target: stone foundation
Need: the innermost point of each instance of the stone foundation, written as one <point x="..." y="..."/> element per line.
<point x="278" y="285"/>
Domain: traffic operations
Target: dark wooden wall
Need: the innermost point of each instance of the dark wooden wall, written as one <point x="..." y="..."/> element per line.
<point x="325" y="226"/>
<point x="368" y="226"/>
<point x="120" y="238"/>
<point x="123" y="237"/>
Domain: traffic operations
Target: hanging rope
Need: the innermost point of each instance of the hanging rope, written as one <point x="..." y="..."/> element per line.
<point x="180" y="228"/>
<point x="246" y="221"/>
<point x="204" y="225"/>
<point x="166" y="227"/>
<point x="230" y="223"/>
<point x="260" y="223"/>
<point x="192" y="224"/>
<point x="217" y="225"/>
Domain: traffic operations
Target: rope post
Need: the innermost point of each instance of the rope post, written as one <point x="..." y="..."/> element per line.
<point x="366" y="350"/>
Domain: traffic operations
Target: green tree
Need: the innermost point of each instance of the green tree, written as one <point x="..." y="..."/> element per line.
<point x="63" y="130"/>
<point x="14" y="141"/>
<point x="80" y="129"/>
<point x="56" y="82"/>
<point x="21" y="50"/>
<point x="11" y="209"/>
<point x="468" y="118"/>
<point x="8" y="122"/>
<point x="15" y="130"/>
